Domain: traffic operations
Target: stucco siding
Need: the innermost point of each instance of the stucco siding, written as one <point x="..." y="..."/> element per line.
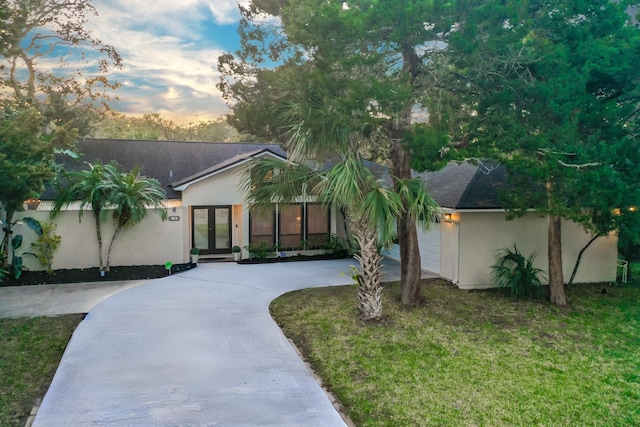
<point x="151" y="241"/>
<point x="449" y="249"/>
<point x="482" y="235"/>
<point x="220" y="189"/>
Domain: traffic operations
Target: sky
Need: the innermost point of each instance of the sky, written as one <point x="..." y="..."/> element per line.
<point x="169" y="50"/>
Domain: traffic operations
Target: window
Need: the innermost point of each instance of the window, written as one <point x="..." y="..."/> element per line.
<point x="290" y="226"/>
<point x="295" y="222"/>
<point x="317" y="225"/>
<point x="262" y="227"/>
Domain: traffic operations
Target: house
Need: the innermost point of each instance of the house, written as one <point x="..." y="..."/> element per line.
<point x="464" y="245"/>
<point x="206" y="208"/>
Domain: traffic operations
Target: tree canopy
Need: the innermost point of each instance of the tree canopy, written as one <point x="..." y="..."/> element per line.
<point x="554" y="92"/>
<point x="36" y="32"/>
<point x="372" y="63"/>
<point x="156" y="126"/>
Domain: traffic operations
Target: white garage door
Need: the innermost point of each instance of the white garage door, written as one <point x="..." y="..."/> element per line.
<point x="429" y="244"/>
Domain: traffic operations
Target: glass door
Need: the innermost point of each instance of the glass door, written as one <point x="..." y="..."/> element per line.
<point x="212" y="229"/>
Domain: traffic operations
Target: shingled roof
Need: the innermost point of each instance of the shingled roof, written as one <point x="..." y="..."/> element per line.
<point x="466" y="185"/>
<point x="166" y="161"/>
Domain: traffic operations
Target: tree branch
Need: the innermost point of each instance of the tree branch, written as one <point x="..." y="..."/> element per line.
<point x="584" y="165"/>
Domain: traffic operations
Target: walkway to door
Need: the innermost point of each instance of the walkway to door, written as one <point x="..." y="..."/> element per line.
<point x="198" y="348"/>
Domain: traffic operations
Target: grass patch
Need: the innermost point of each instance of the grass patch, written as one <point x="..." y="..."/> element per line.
<point x="30" y="351"/>
<point x="474" y="358"/>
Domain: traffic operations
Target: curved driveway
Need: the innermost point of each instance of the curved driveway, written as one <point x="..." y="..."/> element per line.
<point x="193" y="349"/>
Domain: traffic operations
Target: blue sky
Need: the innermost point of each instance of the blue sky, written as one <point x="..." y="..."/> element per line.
<point x="169" y="50"/>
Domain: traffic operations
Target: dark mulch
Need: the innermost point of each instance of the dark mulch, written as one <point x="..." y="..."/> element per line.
<point x="136" y="272"/>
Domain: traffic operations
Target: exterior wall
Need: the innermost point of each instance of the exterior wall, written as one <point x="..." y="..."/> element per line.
<point x="149" y="242"/>
<point x="223" y="189"/>
<point x="482" y="235"/>
<point x="449" y="242"/>
<point x="220" y="189"/>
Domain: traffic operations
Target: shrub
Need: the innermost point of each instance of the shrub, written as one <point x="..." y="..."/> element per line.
<point x="259" y="249"/>
<point x="47" y="243"/>
<point x="517" y="275"/>
<point x="338" y="247"/>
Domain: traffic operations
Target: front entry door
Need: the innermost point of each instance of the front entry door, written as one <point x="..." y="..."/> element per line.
<point x="212" y="229"/>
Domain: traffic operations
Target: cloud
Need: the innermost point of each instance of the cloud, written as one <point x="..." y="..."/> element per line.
<point x="169" y="52"/>
<point x="226" y="11"/>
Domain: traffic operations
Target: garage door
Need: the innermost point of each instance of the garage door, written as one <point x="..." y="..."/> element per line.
<point x="429" y="244"/>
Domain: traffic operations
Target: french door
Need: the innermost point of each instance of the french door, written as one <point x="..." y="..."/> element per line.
<point x="211" y="232"/>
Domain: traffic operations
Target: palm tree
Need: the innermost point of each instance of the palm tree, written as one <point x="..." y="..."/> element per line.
<point x="130" y="196"/>
<point x="87" y="187"/>
<point x="318" y="132"/>
<point x="371" y="209"/>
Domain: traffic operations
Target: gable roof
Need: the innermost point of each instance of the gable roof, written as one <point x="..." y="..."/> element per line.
<point x="182" y="184"/>
<point x="166" y="161"/>
<point x="467" y="186"/>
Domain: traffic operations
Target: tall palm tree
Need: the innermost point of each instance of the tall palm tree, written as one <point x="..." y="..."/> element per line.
<point x="130" y="196"/>
<point x="87" y="187"/>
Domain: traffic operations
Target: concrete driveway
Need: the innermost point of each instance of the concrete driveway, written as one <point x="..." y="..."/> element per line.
<point x="194" y="349"/>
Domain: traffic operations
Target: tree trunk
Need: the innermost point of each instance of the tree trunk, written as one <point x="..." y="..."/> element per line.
<point x="410" y="268"/>
<point x="369" y="276"/>
<point x="113" y="239"/>
<point x="99" y="235"/>
<point x="577" y="264"/>
<point x="6" y="240"/>
<point x="556" y="278"/>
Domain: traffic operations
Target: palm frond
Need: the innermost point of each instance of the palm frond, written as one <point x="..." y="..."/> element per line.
<point x="380" y="207"/>
<point x="420" y="205"/>
<point x="346" y="183"/>
<point x="267" y="181"/>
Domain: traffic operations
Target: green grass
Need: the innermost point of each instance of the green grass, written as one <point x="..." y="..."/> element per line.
<point x="474" y="358"/>
<point x="30" y="351"/>
<point x="634" y="269"/>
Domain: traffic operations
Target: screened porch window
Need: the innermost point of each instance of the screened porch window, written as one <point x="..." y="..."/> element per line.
<point x="290" y="226"/>
<point x="262" y="227"/>
<point x="317" y="224"/>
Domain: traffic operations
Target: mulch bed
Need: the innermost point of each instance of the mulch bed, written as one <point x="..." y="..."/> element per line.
<point x="136" y="272"/>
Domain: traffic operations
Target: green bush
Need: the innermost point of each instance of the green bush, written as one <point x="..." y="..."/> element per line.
<point x="259" y="249"/>
<point x="338" y="247"/>
<point x="517" y="275"/>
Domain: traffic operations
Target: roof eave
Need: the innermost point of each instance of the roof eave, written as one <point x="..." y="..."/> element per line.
<point x="185" y="183"/>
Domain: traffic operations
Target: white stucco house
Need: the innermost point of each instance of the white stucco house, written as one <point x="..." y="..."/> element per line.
<point x="205" y="206"/>
<point x="206" y="209"/>
<point x="464" y="245"/>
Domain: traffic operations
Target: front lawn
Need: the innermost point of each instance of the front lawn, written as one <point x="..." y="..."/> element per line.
<point x="474" y="358"/>
<point x="30" y="351"/>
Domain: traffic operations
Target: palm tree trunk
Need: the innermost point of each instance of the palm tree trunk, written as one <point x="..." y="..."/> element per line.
<point x="369" y="276"/>
<point x="99" y="235"/>
<point x="113" y="239"/>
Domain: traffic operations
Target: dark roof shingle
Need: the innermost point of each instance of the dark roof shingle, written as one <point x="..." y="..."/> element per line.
<point x="466" y="185"/>
<point x="166" y="161"/>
